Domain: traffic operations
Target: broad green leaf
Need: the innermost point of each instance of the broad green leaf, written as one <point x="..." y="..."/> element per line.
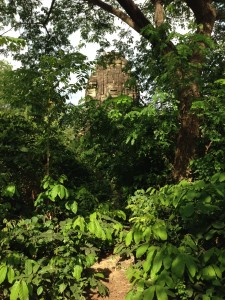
<point x="77" y="271"/>
<point x="28" y="267"/>
<point x="191" y="265"/>
<point x="147" y="264"/>
<point x="10" y="274"/>
<point x="96" y="229"/>
<point x="62" y="287"/>
<point x="161" y="293"/>
<point x="149" y="293"/>
<point x="137" y="236"/>
<point x="9" y="191"/>
<point x="147" y="234"/>
<point x="129" y="296"/>
<point x="39" y="290"/>
<point x="187" y="210"/>
<point x="218" y="225"/>
<point x="165" y="278"/>
<point x="160" y="232"/>
<point x="221" y="257"/>
<point x="90" y="260"/>
<point x="60" y="191"/>
<point x="80" y="222"/>
<point x="23" y="291"/>
<point x="14" y="293"/>
<point x="99" y="275"/>
<point x="220" y="191"/>
<point x="222" y="177"/>
<point x="218" y="271"/>
<point x="205" y="297"/>
<point x="121" y="214"/>
<point x="167" y="261"/>
<point x="157" y="263"/>
<point x="3" y="272"/>
<point x="141" y="250"/>
<point x="128" y="238"/>
<point x="208" y="272"/>
<point x="178" y="265"/>
<point x="72" y="206"/>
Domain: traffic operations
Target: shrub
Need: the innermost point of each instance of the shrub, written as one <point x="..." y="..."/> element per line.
<point x="178" y="240"/>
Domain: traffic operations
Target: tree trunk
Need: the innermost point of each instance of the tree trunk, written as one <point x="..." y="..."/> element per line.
<point x="188" y="133"/>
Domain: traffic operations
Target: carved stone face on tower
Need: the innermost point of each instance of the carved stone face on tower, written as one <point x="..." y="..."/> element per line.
<point x="110" y="81"/>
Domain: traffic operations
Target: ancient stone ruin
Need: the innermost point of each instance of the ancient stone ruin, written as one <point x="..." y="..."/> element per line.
<point x="110" y="81"/>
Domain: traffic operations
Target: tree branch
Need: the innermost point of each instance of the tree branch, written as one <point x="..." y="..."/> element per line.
<point x="49" y="13"/>
<point x="204" y="12"/>
<point x="134" y="12"/>
<point x="159" y="12"/>
<point x="116" y="12"/>
<point x="1" y="34"/>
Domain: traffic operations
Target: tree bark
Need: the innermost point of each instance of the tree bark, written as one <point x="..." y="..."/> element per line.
<point x="189" y="131"/>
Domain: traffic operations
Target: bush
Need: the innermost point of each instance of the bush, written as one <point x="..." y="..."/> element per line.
<point x="178" y="239"/>
<point x="49" y="255"/>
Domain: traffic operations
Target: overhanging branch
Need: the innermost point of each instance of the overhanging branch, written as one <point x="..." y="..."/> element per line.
<point x="116" y="12"/>
<point x="204" y="12"/>
<point x="49" y="13"/>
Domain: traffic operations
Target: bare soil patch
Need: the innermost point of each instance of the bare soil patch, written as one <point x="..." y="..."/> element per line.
<point x="114" y="268"/>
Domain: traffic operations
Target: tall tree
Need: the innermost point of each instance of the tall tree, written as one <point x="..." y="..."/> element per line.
<point x="180" y="58"/>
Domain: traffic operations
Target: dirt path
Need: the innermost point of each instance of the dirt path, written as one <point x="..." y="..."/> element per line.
<point x="116" y="281"/>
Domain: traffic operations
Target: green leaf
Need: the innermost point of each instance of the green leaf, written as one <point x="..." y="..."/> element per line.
<point x="161" y="293"/>
<point x="128" y="238"/>
<point x="167" y="262"/>
<point x="60" y="191"/>
<point x="218" y="225"/>
<point x="80" y="222"/>
<point x="218" y="271"/>
<point x="39" y="290"/>
<point x="141" y="250"/>
<point x="23" y="291"/>
<point x="28" y="267"/>
<point x="77" y="271"/>
<point x="137" y="236"/>
<point x="160" y="231"/>
<point x="147" y="264"/>
<point x="9" y="191"/>
<point x="187" y="210"/>
<point x="191" y="265"/>
<point x="72" y="206"/>
<point x="99" y="275"/>
<point x="157" y="264"/>
<point x="178" y="265"/>
<point x="130" y="296"/>
<point x="149" y="293"/>
<point x="10" y="274"/>
<point x="3" y="272"/>
<point x="208" y="273"/>
<point x="14" y="293"/>
<point x="90" y="260"/>
<point x="62" y="287"/>
<point x="222" y="177"/>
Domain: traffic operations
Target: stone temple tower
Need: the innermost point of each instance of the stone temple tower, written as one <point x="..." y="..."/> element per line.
<point x="110" y="81"/>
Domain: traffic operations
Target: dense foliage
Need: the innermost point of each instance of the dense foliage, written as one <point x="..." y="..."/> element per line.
<point x="80" y="181"/>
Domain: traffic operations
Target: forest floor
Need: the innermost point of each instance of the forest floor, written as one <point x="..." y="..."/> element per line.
<point x="114" y="268"/>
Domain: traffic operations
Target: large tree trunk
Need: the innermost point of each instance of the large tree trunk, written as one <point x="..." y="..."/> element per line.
<point x="188" y="133"/>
